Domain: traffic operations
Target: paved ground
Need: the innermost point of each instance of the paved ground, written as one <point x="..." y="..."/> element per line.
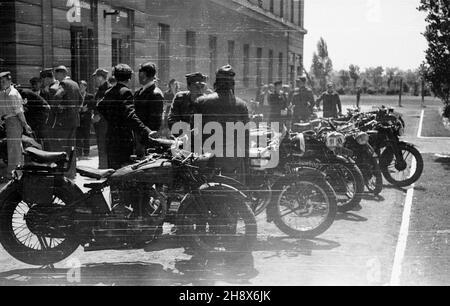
<point x="359" y="249"/>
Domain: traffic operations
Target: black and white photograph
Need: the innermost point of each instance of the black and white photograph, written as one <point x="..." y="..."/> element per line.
<point x="224" y="144"/>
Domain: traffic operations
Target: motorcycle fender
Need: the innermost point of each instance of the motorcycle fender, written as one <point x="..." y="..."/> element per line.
<point x="343" y="159"/>
<point x="311" y="174"/>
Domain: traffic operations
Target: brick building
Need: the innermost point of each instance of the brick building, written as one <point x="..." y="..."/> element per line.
<point x="262" y="39"/>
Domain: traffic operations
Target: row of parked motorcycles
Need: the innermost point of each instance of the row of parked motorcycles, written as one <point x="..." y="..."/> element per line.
<point x="325" y="166"/>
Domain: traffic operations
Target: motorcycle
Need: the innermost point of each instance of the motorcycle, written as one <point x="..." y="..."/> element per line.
<point x="44" y="217"/>
<point x="299" y="201"/>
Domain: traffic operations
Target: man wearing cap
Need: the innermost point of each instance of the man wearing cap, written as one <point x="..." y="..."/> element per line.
<point x="225" y="108"/>
<point x="36" y="85"/>
<point x="302" y="101"/>
<point x="118" y="109"/>
<point x="36" y="111"/>
<point x="332" y="106"/>
<point x="148" y="102"/>
<point x="68" y="102"/>
<point x="278" y="104"/>
<point x="100" y="123"/>
<point x="86" y="113"/>
<point x="51" y="87"/>
<point x="13" y="114"/>
<point x="183" y="104"/>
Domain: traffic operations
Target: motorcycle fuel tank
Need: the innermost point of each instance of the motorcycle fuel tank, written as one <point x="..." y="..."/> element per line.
<point x="159" y="171"/>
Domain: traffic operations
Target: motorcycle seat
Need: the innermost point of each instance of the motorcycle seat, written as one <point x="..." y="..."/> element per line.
<point x="43" y="157"/>
<point x="95" y="173"/>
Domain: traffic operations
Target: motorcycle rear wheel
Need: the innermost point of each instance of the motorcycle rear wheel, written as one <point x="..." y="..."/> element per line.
<point x="218" y="222"/>
<point x="19" y="241"/>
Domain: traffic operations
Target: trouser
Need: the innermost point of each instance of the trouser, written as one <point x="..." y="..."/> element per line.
<point x="14" y="131"/>
<point x="84" y="139"/>
<point x="101" y="129"/>
<point x="65" y="141"/>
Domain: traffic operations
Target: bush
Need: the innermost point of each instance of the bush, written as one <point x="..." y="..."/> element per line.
<point x="371" y="91"/>
<point x="341" y="91"/>
<point x="446" y="113"/>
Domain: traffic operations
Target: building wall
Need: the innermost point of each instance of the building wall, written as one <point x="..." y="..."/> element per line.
<point x="40" y="35"/>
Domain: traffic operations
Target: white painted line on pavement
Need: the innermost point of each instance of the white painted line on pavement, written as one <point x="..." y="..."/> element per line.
<point x="419" y="133"/>
<point x="403" y="236"/>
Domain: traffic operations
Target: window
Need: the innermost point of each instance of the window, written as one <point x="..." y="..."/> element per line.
<point x="231" y="50"/>
<point x="164" y="52"/>
<point x="259" y="52"/>
<point x="260" y="3"/>
<point x="246" y="65"/>
<point x="282" y="8"/>
<point x="272" y="5"/>
<point x="300" y="12"/>
<point x="212" y="55"/>
<point x="280" y="66"/>
<point x="190" y="51"/>
<point x="292" y="11"/>
<point x="270" y="77"/>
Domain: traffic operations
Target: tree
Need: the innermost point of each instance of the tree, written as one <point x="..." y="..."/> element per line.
<point x="354" y="74"/>
<point x="375" y="75"/>
<point x="390" y="75"/>
<point x="344" y="76"/>
<point x="322" y="65"/>
<point x="437" y="34"/>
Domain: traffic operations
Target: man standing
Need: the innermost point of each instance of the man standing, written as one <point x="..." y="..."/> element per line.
<point x="36" y="111"/>
<point x="86" y="113"/>
<point x="332" y="106"/>
<point x="13" y="114"/>
<point x="36" y="85"/>
<point x="302" y="101"/>
<point x="224" y="108"/>
<point x="278" y="104"/>
<point x="358" y="97"/>
<point x="169" y="96"/>
<point x="100" y="123"/>
<point x="183" y="104"/>
<point x="118" y="109"/>
<point x="51" y="88"/>
<point x="149" y="103"/>
<point x="67" y="120"/>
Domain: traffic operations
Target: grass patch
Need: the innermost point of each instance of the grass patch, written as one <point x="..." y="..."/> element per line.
<point x="433" y="125"/>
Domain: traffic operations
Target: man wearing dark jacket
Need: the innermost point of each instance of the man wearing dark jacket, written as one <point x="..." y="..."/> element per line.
<point x="148" y="102"/>
<point x="183" y="105"/>
<point x="332" y="106"/>
<point x="278" y="104"/>
<point x="224" y="108"/>
<point x="100" y="124"/>
<point x="118" y="109"/>
<point x="302" y="101"/>
<point x="86" y="113"/>
<point x="67" y="120"/>
<point x="51" y="87"/>
<point x="37" y="111"/>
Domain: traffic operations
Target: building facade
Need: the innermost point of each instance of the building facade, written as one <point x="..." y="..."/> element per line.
<point x="261" y="39"/>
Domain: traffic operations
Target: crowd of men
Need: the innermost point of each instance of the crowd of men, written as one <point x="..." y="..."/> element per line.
<point x="282" y="103"/>
<point x="60" y="113"/>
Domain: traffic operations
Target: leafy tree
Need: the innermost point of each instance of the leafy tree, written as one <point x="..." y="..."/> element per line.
<point x="438" y="54"/>
<point x="354" y="74"/>
<point x="344" y="75"/>
<point x="390" y="75"/>
<point x="322" y="65"/>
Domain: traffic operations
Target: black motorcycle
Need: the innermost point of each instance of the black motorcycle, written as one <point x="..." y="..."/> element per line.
<point x="299" y="201"/>
<point x="44" y="217"/>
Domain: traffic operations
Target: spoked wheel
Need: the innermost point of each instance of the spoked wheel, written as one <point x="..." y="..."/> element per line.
<point x="374" y="178"/>
<point x="400" y="173"/>
<point x="348" y="183"/>
<point x="261" y="198"/>
<point x="16" y="233"/>
<point x="305" y="209"/>
<point x="218" y="221"/>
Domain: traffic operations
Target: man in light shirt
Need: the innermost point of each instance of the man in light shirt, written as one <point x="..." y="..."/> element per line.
<point x="12" y="112"/>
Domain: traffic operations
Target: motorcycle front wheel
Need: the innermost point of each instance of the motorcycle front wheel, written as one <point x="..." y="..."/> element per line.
<point x="304" y="209"/>
<point x="218" y="221"/>
<point x="19" y="241"/>
<point x="373" y="177"/>
<point x="399" y="173"/>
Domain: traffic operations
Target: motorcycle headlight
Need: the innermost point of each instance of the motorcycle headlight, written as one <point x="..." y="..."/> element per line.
<point x="362" y="139"/>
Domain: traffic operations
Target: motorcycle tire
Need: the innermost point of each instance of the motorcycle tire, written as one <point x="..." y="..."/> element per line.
<point x="387" y="158"/>
<point x="375" y="172"/>
<point x="198" y="230"/>
<point x="11" y="205"/>
<point x="357" y="179"/>
<point x="281" y="190"/>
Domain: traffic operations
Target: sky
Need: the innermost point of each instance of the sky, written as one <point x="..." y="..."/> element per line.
<point x="366" y="33"/>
